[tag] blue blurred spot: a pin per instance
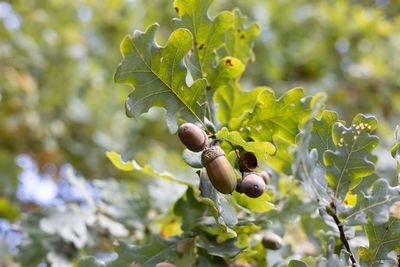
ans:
(382, 3)
(342, 45)
(5, 9)
(85, 13)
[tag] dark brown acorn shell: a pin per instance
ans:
(247, 162)
(253, 185)
(194, 138)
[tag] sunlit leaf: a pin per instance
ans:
(273, 119)
(147, 169)
(374, 207)
(158, 76)
(262, 150)
(348, 163)
(259, 204)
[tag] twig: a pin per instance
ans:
(332, 212)
(398, 259)
(233, 147)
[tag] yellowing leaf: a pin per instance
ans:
(261, 149)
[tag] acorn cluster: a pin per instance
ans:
(219, 170)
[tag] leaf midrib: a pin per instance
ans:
(168, 86)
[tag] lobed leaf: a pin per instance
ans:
(224, 215)
(261, 150)
(213, 247)
(383, 239)
(158, 76)
(321, 133)
(277, 121)
(259, 204)
(208, 34)
(190, 209)
(158, 250)
(233, 101)
(147, 169)
(348, 163)
(307, 165)
(374, 207)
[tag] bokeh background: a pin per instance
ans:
(60, 108)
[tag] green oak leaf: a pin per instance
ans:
(383, 239)
(190, 209)
(239, 39)
(395, 151)
(90, 261)
(271, 116)
(193, 159)
(261, 150)
(222, 45)
(207, 260)
(224, 249)
(333, 258)
(321, 133)
(277, 121)
(208, 34)
(147, 169)
(374, 207)
(158, 250)
(233, 101)
(297, 263)
(259, 204)
(158, 76)
(306, 165)
(348, 163)
(224, 215)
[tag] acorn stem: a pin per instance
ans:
(233, 147)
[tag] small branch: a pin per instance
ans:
(332, 212)
(233, 147)
(398, 259)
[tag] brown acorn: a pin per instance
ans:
(272, 241)
(194, 138)
(239, 185)
(247, 162)
(253, 185)
(219, 170)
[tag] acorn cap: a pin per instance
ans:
(247, 162)
(210, 154)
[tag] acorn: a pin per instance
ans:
(239, 185)
(272, 241)
(253, 185)
(265, 176)
(219, 170)
(194, 138)
(247, 162)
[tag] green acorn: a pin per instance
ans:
(219, 170)
(272, 241)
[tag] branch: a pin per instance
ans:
(398, 259)
(332, 212)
